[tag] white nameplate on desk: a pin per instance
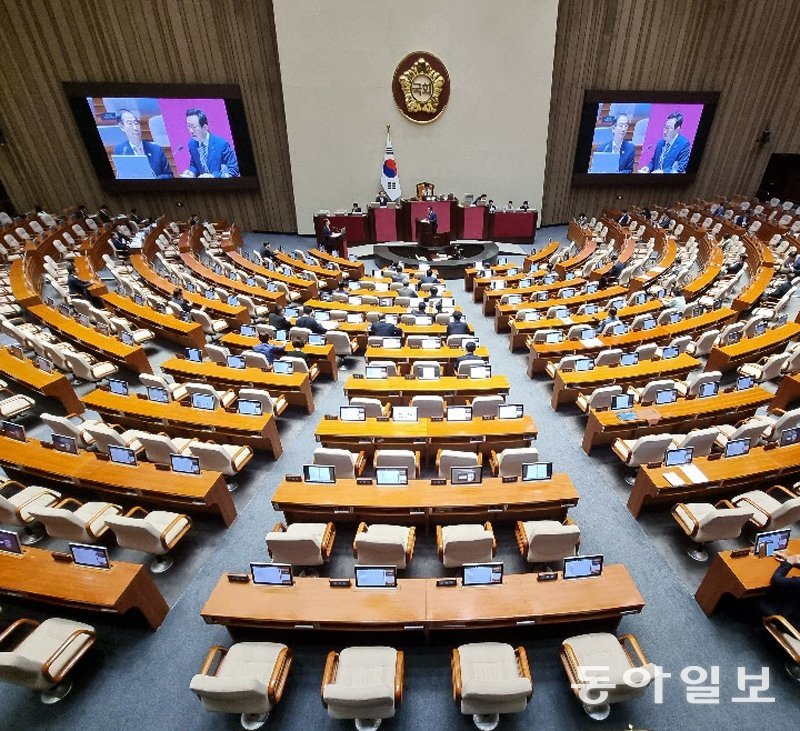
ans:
(592, 343)
(694, 474)
(674, 479)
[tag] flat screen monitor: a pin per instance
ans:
(649, 324)
(737, 447)
(678, 457)
(354, 300)
(427, 373)
(629, 359)
(122, 455)
(211, 294)
(588, 333)
(590, 309)
(549, 279)
(195, 355)
(734, 337)
(9, 542)
(185, 464)
(44, 364)
(249, 407)
(391, 475)
(623, 401)
(372, 372)
(502, 261)
(315, 339)
(466, 475)
(271, 574)
(125, 337)
(666, 396)
(581, 567)
(282, 367)
(669, 352)
(584, 364)
(204, 401)
(675, 318)
(355, 317)
(14, 431)
(513, 299)
(405, 413)
(392, 343)
(248, 331)
(158, 394)
(375, 577)
(480, 371)
(447, 302)
(65, 443)
(459, 413)
(320, 474)
(235, 361)
(760, 329)
(83, 320)
(385, 302)
(281, 335)
(554, 337)
(591, 287)
(525, 283)
(532, 471)
(482, 574)
(15, 351)
(708, 389)
(251, 282)
(744, 382)
(531, 316)
(64, 309)
(233, 300)
(291, 312)
(770, 541)
(567, 292)
(394, 319)
(619, 329)
(510, 411)
(790, 436)
(352, 413)
(120, 388)
(93, 557)
(430, 343)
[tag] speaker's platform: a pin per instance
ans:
(457, 257)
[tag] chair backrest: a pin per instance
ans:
(550, 540)
(451, 458)
(257, 394)
(649, 391)
(298, 364)
(62, 425)
(608, 357)
(104, 436)
(467, 544)
(751, 429)
(62, 523)
(254, 360)
(601, 397)
(696, 382)
(486, 405)
(373, 408)
(786, 514)
(418, 366)
(701, 440)
(158, 447)
(787, 420)
(772, 368)
(510, 461)
(295, 548)
(428, 406)
(193, 387)
(646, 351)
(378, 548)
(649, 449)
(340, 341)
(389, 365)
(722, 524)
(213, 458)
(137, 534)
(343, 461)
(705, 342)
(217, 354)
(397, 458)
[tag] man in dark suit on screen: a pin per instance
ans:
(135, 145)
(673, 149)
(619, 144)
(210, 156)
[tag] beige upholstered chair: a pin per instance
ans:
(509, 462)
(543, 541)
(301, 544)
(373, 408)
(86, 523)
(364, 684)
(156, 533)
(769, 512)
(139, 334)
(787, 420)
(389, 365)
(447, 458)
(176, 391)
(269, 405)
(751, 429)
(600, 398)
(767, 369)
(225, 398)
(159, 447)
(649, 449)
(398, 458)
(381, 544)
(788, 638)
(417, 367)
(43, 659)
(647, 394)
(346, 464)
(105, 435)
(66, 427)
(14, 405)
(209, 326)
(16, 502)
(465, 543)
(217, 354)
(700, 440)
(486, 406)
(693, 384)
(343, 346)
(490, 678)
(85, 370)
(601, 670)
(248, 679)
(428, 406)
(229, 459)
(704, 522)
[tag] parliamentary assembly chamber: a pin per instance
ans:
(423, 365)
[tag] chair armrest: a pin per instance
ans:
(43, 491)
(781, 489)
(280, 673)
(724, 504)
(362, 528)
(386, 409)
(438, 456)
(180, 535)
(216, 650)
(279, 527)
(50, 660)
(68, 501)
(329, 674)
(412, 541)
(455, 671)
(15, 626)
(104, 509)
(18, 486)
(439, 542)
(689, 530)
(136, 509)
(522, 538)
(488, 526)
(493, 462)
(634, 645)
(523, 666)
(399, 674)
(360, 463)
(328, 538)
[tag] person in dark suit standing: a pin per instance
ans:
(433, 219)
(457, 326)
(210, 156)
(672, 151)
(618, 144)
(135, 145)
(382, 199)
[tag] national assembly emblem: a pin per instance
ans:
(421, 87)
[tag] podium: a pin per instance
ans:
(424, 233)
(338, 243)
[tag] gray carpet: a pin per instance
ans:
(138, 679)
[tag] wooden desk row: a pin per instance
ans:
(747, 350)
(54, 385)
(354, 269)
(788, 393)
(322, 355)
(398, 390)
(406, 356)
(491, 297)
(419, 605)
(147, 482)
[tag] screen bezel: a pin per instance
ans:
(381, 470)
(668, 452)
(358, 569)
(102, 550)
(574, 559)
(173, 458)
(478, 474)
(263, 564)
(306, 472)
(744, 440)
(128, 450)
(759, 537)
(362, 412)
(549, 475)
(18, 541)
(62, 438)
(493, 564)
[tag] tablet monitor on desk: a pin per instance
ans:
(323, 316)
(122, 455)
(248, 331)
(525, 283)
(319, 474)
(554, 337)
(120, 388)
(480, 371)
(315, 339)
(510, 411)
(204, 401)
(372, 372)
(513, 299)
(567, 293)
(427, 373)
(482, 574)
(65, 443)
(590, 309)
(591, 287)
(391, 475)
(375, 577)
(16, 351)
(282, 367)
(533, 471)
(734, 337)
(195, 355)
(666, 396)
(211, 294)
(459, 413)
(281, 335)
(251, 282)
(394, 319)
(466, 475)
(248, 407)
(44, 364)
(354, 318)
(619, 328)
(622, 401)
(584, 364)
(385, 302)
(770, 541)
(392, 343)
(549, 279)
(678, 457)
(352, 413)
(271, 574)
(744, 382)
(9, 542)
(430, 343)
(542, 296)
(233, 300)
(675, 318)
(649, 324)
(354, 299)
(405, 413)
(790, 436)
(235, 361)
(291, 312)
(737, 447)
(158, 394)
(629, 359)
(14, 431)
(588, 333)
(561, 312)
(579, 567)
(93, 557)
(185, 464)
(137, 298)
(531, 316)
(760, 329)
(447, 302)
(83, 320)
(708, 389)
(126, 338)
(669, 352)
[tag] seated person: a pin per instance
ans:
(624, 219)
(422, 309)
(457, 327)
(676, 299)
(269, 350)
(612, 275)
(509, 206)
(297, 350)
(120, 245)
(524, 206)
(278, 320)
(75, 284)
(396, 273)
(492, 207)
(356, 208)
(792, 265)
(611, 317)
(428, 278)
(267, 251)
(406, 290)
(788, 587)
(468, 356)
(736, 267)
(307, 320)
(381, 328)
(776, 291)
(178, 299)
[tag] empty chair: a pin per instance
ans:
(647, 394)
(649, 449)
(301, 544)
(138, 334)
(751, 429)
(465, 543)
(600, 398)
(253, 359)
(16, 503)
(389, 365)
(544, 541)
(346, 464)
(229, 459)
(646, 351)
(608, 357)
(247, 679)
(217, 354)
(14, 405)
(767, 369)
(159, 447)
(681, 343)
(693, 384)
(486, 406)
(448, 458)
(398, 458)
(343, 346)
(509, 462)
(83, 369)
(788, 638)
(777, 507)
(700, 440)
(428, 406)
(156, 533)
(490, 678)
(209, 326)
(226, 398)
(44, 657)
(787, 420)
(64, 426)
(418, 366)
(254, 310)
(564, 365)
(176, 391)
(363, 684)
(86, 523)
(373, 408)
(770, 313)
(105, 435)
(704, 523)
(381, 544)
(269, 405)
(299, 333)
(600, 657)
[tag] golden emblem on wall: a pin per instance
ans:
(421, 87)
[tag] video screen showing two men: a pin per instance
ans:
(644, 138)
(165, 138)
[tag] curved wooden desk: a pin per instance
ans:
(491, 297)
(787, 394)
(405, 356)
(747, 350)
(354, 268)
(399, 390)
(122, 588)
(55, 385)
(323, 355)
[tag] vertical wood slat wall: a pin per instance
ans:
(745, 49)
(45, 42)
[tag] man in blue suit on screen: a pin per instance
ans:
(210, 156)
(672, 151)
(135, 145)
(619, 144)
